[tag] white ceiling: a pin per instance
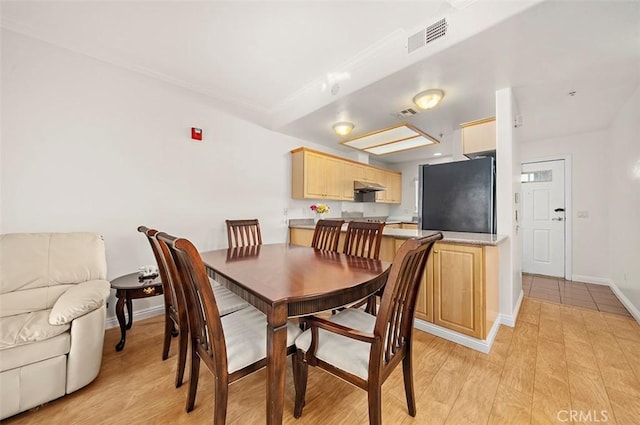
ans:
(269, 61)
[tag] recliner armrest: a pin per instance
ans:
(79, 300)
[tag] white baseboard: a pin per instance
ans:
(591, 279)
(476, 344)
(510, 319)
(484, 346)
(112, 322)
(625, 301)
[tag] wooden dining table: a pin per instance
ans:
(286, 281)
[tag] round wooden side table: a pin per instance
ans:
(130, 287)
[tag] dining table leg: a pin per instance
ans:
(276, 361)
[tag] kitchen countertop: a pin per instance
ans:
(452, 237)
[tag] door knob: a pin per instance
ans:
(557, 219)
(559, 210)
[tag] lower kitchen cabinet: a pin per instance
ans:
(465, 287)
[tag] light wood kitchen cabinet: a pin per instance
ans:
(392, 181)
(394, 188)
(465, 287)
(371, 174)
(380, 176)
(316, 175)
(349, 174)
(478, 137)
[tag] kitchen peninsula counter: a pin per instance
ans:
(482, 239)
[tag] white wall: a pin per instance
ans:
(591, 184)
(86, 146)
(507, 176)
(623, 199)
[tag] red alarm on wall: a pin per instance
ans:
(196, 133)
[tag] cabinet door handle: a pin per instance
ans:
(435, 251)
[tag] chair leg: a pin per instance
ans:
(193, 378)
(375, 404)
(372, 305)
(407, 371)
(221, 399)
(300, 374)
(182, 355)
(168, 326)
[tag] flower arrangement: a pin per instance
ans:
(320, 208)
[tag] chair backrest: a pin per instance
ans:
(363, 239)
(326, 235)
(167, 278)
(243, 233)
(204, 318)
(394, 322)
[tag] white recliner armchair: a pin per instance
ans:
(53, 291)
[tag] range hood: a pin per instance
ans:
(366, 191)
(365, 187)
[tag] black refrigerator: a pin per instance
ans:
(458, 196)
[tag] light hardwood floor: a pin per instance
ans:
(557, 359)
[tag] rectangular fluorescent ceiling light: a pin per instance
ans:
(392, 139)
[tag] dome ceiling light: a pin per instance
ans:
(343, 128)
(428, 99)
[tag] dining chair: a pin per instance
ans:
(175, 315)
(363, 240)
(175, 312)
(230, 346)
(326, 235)
(243, 233)
(364, 349)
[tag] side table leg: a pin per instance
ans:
(120, 315)
(129, 313)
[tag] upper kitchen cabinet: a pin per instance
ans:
(394, 187)
(479, 137)
(393, 182)
(316, 175)
(351, 172)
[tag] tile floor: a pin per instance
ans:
(578, 294)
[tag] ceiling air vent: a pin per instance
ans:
(427, 35)
(406, 113)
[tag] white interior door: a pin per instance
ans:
(543, 218)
